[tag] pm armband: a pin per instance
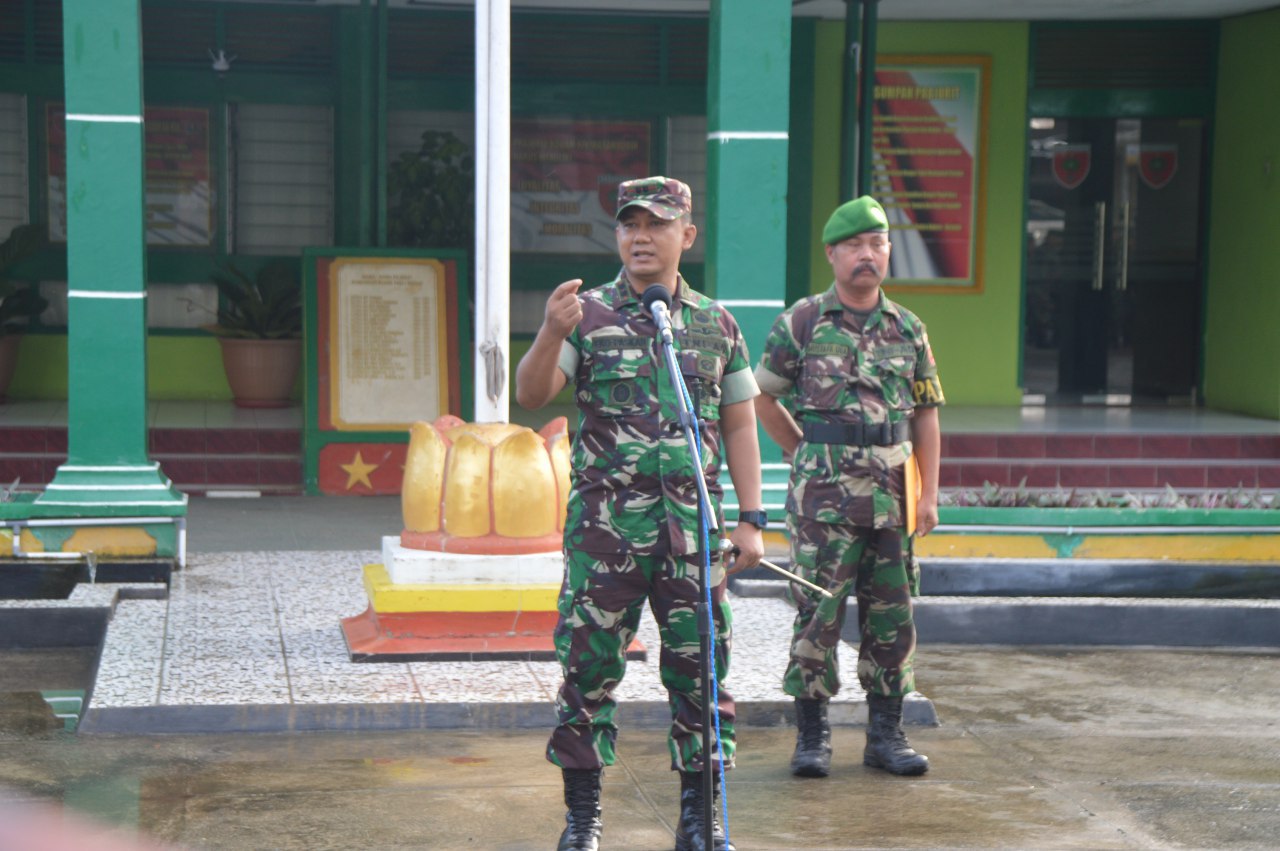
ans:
(927, 391)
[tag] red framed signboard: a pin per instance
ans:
(381, 353)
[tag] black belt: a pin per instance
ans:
(858, 434)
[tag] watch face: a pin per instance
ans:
(759, 519)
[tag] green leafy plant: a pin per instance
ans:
(1056, 498)
(431, 194)
(18, 304)
(267, 306)
(9, 492)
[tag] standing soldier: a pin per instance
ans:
(632, 530)
(861, 379)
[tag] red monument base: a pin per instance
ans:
(456, 637)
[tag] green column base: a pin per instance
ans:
(126, 490)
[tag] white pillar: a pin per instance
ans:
(493, 210)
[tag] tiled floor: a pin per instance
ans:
(955, 419)
(160, 414)
(251, 640)
(249, 637)
(1100, 420)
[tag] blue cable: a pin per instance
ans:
(706, 567)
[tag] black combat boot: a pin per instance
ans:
(887, 746)
(582, 797)
(813, 739)
(689, 833)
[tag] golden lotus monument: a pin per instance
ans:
(485, 488)
(476, 572)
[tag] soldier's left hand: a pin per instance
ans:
(926, 516)
(748, 548)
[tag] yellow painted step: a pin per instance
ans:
(390, 598)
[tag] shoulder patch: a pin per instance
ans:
(704, 317)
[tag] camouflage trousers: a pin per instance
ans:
(600, 605)
(872, 564)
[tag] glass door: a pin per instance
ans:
(1113, 261)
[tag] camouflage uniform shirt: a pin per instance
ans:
(832, 372)
(633, 490)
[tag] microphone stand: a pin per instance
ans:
(707, 520)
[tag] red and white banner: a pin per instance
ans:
(179, 174)
(564, 181)
(928, 145)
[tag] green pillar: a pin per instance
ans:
(355, 214)
(850, 67)
(867, 93)
(856, 118)
(748, 105)
(380, 128)
(107, 472)
(858, 101)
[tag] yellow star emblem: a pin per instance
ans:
(358, 472)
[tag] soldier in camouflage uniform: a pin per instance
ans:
(632, 530)
(860, 378)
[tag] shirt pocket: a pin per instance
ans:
(620, 384)
(702, 372)
(894, 374)
(823, 383)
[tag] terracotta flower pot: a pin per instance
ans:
(261, 372)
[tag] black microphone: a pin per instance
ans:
(657, 300)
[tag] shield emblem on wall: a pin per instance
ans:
(1071, 165)
(1157, 164)
(607, 191)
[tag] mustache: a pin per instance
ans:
(869, 268)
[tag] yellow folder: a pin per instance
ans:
(911, 492)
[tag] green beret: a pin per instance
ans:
(854, 217)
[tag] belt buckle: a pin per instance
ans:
(886, 433)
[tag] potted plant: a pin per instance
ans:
(259, 329)
(18, 304)
(431, 195)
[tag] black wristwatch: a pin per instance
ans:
(759, 519)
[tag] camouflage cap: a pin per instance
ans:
(854, 217)
(665, 197)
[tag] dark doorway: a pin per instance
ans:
(1113, 260)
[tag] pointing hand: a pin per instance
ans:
(564, 309)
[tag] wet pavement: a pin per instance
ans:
(1036, 747)
(1044, 748)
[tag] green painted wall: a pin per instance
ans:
(975, 336)
(827, 71)
(178, 367)
(42, 368)
(186, 367)
(1242, 349)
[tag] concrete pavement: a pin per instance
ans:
(1036, 747)
(1059, 748)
